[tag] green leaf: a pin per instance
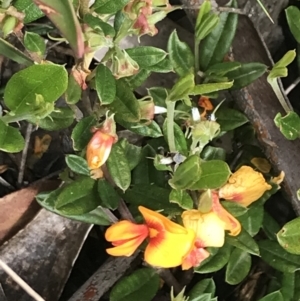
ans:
(147, 130)
(286, 60)
(22, 88)
(105, 84)
(63, 16)
(246, 74)
(230, 119)
(223, 68)
(288, 286)
(213, 153)
(270, 226)
(118, 167)
(210, 21)
(234, 208)
(182, 198)
(180, 55)
(78, 165)
(108, 6)
(146, 56)
(209, 88)
(78, 197)
(108, 196)
(138, 79)
(132, 152)
(125, 104)
(73, 92)
(180, 141)
(288, 125)
(82, 134)
(152, 197)
(11, 140)
(217, 44)
(159, 95)
(99, 26)
(289, 236)
(96, 216)
(34, 43)
(275, 296)
(61, 118)
(11, 52)
(215, 174)
(216, 261)
(244, 242)
(238, 267)
(164, 66)
(182, 88)
(273, 254)
(252, 220)
(142, 284)
(293, 18)
(187, 173)
(31, 11)
(205, 286)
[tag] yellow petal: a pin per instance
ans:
(168, 250)
(245, 186)
(209, 228)
(98, 149)
(168, 243)
(126, 248)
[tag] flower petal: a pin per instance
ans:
(194, 258)
(171, 250)
(245, 186)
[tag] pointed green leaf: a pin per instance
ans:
(105, 84)
(234, 208)
(288, 125)
(277, 257)
(270, 226)
(31, 11)
(293, 18)
(205, 286)
(78, 165)
(229, 119)
(34, 43)
(182, 198)
(180, 54)
(209, 88)
(217, 44)
(182, 88)
(238, 267)
(275, 296)
(215, 174)
(109, 6)
(73, 92)
(108, 196)
(142, 284)
(118, 167)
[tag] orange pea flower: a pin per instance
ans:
(210, 230)
(168, 242)
(245, 186)
(99, 147)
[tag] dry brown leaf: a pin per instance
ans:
(19, 207)
(41, 145)
(3, 168)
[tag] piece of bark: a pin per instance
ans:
(104, 278)
(260, 104)
(19, 207)
(43, 255)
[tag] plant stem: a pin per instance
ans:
(15, 118)
(170, 125)
(196, 53)
(277, 91)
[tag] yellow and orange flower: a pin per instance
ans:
(98, 149)
(245, 186)
(210, 229)
(168, 242)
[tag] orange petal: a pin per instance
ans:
(194, 258)
(126, 237)
(231, 223)
(98, 149)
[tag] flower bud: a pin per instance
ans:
(245, 186)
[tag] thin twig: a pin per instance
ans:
(238, 11)
(124, 211)
(24, 153)
(6, 184)
(110, 215)
(292, 86)
(169, 279)
(20, 282)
